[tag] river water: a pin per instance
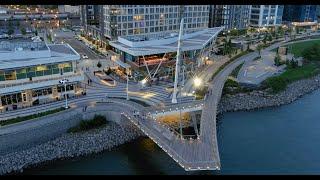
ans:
(281, 140)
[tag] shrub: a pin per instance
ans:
(201, 92)
(84, 125)
(277, 60)
(99, 64)
(109, 71)
(277, 83)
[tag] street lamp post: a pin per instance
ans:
(127, 72)
(64, 82)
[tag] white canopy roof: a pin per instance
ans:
(193, 41)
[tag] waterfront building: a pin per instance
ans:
(145, 52)
(30, 73)
(229, 16)
(266, 15)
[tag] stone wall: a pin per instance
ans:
(54, 126)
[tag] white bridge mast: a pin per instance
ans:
(176, 76)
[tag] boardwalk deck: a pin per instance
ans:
(191, 154)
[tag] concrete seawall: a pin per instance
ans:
(49, 141)
(49, 127)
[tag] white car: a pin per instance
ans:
(84, 56)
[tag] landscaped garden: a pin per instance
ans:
(310, 51)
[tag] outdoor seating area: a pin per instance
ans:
(150, 60)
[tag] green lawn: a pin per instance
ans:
(279, 83)
(297, 48)
(29, 117)
(306, 71)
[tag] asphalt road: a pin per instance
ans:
(77, 45)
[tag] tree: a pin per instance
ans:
(259, 48)
(99, 65)
(10, 31)
(36, 32)
(277, 60)
(265, 39)
(10, 24)
(269, 38)
(23, 31)
(49, 37)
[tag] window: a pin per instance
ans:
(141, 11)
(2, 78)
(67, 67)
(11, 99)
(69, 87)
(10, 75)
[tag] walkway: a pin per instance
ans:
(191, 154)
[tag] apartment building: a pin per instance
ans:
(123, 20)
(300, 13)
(30, 73)
(229, 16)
(266, 15)
(92, 19)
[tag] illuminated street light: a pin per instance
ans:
(144, 81)
(64, 82)
(197, 82)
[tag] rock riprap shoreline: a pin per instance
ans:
(70, 145)
(97, 140)
(261, 99)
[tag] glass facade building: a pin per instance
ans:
(300, 13)
(123, 20)
(35, 71)
(266, 15)
(229, 16)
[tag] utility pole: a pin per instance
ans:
(176, 77)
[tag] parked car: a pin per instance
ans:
(85, 56)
